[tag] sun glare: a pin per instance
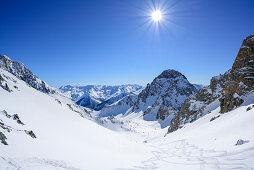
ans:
(157, 15)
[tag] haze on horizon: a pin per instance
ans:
(117, 42)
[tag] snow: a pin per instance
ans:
(61, 135)
(65, 140)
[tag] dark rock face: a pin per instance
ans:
(20, 71)
(225, 91)
(16, 117)
(3, 139)
(241, 78)
(30, 133)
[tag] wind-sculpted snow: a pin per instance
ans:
(34, 163)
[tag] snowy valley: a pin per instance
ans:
(169, 124)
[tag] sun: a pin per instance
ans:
(157, 15)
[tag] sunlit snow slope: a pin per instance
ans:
(65, 140)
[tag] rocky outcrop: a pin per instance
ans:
(226, 91)
(3, 139)
(7, 126)
(201, 103)
(240, 81)
(20, 71)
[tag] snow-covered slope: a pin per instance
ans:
(97, 96)
(64, 139)
(226, 142)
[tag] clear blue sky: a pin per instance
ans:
(113, 42)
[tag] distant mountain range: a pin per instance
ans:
(97, 96)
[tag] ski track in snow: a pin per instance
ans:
(36, 163)
(182, 153)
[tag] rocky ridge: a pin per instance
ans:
(226, 91)
(19, 70)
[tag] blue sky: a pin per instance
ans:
(115, 41)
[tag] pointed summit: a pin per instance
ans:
(171, 74)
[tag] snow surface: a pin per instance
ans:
(65, 140)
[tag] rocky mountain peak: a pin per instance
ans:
(170, 74)
(165, 95)
(245, 56)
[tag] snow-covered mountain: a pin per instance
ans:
(165, 94)
(159, 101)
(97, 96)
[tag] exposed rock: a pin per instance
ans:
(30, 133)
(213, 118)
(241, 142)
(16, 117)
(249, 108)
(201, 103)
(241, 78)
(6, 114)
(1, 78)
(20, 71)
(3, 139)
(58, 101)
(69, 105)
(6, 87)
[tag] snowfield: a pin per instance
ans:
(66, 140)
